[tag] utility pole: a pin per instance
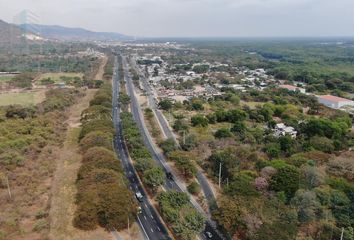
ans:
(220, 175)
(342, 234)
(129, 229)
(8, 186)
(184, 137)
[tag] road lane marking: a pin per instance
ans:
(145, 217)
(141, 224)
(151, 230)
(159, 229)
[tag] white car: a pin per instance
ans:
(139, 196)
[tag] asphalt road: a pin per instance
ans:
(147, 218)
(170, 184)
(206, 188)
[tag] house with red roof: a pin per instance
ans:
(334, 102)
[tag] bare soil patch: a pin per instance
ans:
(100, 71)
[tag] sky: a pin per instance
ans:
(194, 18)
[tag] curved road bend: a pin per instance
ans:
(148, 219)
(170, 184)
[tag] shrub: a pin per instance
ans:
(194, 188)
(96, 139)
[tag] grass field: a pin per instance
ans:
(58, 77)
(23, 98)
(5, 78)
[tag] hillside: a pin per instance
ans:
(77, 34)
(9, 32)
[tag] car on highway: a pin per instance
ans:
(139, 196)
(169, 175)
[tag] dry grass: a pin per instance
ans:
(100, 71)
(75, 111)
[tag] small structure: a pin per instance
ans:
(334, 102)
(281, 130)
(293, 88)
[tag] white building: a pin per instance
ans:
(334, 102)
(293, 88)
(281, 130)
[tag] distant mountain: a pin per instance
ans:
(75, 34)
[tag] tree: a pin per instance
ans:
(18, 111)
(183, 163)
(185, 220)
(96, 112)
(180, 125)
(190, 142)
(322, 144)
(199, 120)
(308, 206)
(154, 177)
(165, 104)
(144, 164)
(286, 179)
(286, 144)
(273, 150)
(197, 105)
(229, 214)
(223, 133)
(96, 139)
(124, 99)
(313, 176)
(168, 145)
(194, 188)
(236, 115)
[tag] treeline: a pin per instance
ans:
(103, 197)
(153, 176)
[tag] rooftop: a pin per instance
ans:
(333, 98)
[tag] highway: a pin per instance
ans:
(148, 218)
(167, 131)
(174, 184)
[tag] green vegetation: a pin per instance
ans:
(152, 175)
(185, 220)
(272, 186)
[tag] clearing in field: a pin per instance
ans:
(22, 98)
(53, 78)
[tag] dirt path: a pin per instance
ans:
(75, 111)
(100, 71)
(63, 185)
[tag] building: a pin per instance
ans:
(281, 130)
(334, 102)
(293, 88)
